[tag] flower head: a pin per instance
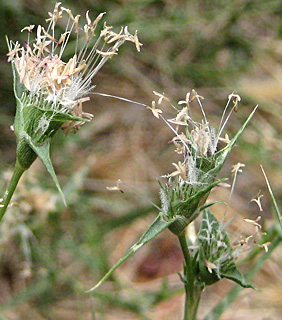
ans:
(50, 82)
(185, 193)
(51, 87)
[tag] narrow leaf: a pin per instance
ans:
(209, 205)
(159, 225)
(222, 154)
(63, 117)
(278, 213)
(43, 152)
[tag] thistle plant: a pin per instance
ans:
(183, 196)
(50, 90)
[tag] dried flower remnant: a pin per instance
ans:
(180, 170)
(264, 246)
(236, 99)
(252, 239)
(225, 139)
(177, 141)
(181, 118)
(50, 91)
(211, 266)
(256, 224)
(161, 97)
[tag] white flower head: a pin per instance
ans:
(48, 78)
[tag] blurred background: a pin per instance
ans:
(50, 255)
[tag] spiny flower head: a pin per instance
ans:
(50, 88)
(216, 257)
(50, 82)
(216, 252)
(188, 187)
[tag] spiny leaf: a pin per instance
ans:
(221, 155)
(187, 208)
(43, 152)
(209, 205)
(158, 225)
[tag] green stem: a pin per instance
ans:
(192, 290)
(18, 171)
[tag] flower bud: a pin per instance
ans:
(25, 155)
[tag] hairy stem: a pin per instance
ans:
(18, 171)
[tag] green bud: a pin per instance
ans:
(25, 155)
(185, 209)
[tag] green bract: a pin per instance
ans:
(216, 258)
(34, 125)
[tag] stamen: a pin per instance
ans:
(222, 126)
(154, 110)
(235, 169)
(257, 201)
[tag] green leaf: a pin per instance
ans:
(63, 117)
(235, 275)
(278, 213)
(158, 225)
(43, 152)
(221, 155)
(205, 206)
(216, 254)
(188, 207)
